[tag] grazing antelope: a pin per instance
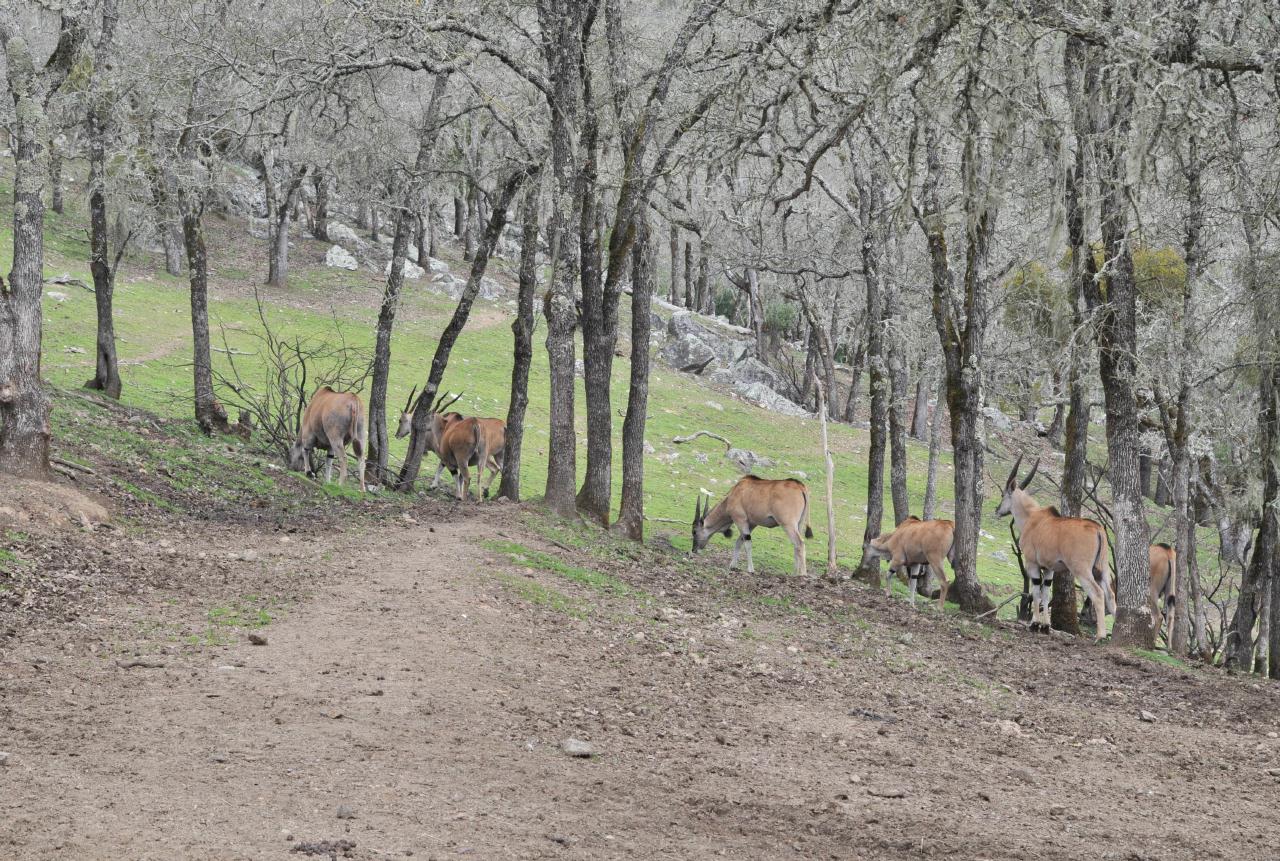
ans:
(753, 502)
(913, 545)
(331, 421)
(1053, 544)
(1164, 585)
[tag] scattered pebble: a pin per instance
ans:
(888, 792)
(4, 759)
(258, 639)
(1146, 716)
(220, 757)
(346, 811)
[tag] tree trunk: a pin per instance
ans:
(898, 431)
(459, 216)
(210, 415)
(631, 510)
(1117, 351)
(55, 177)
(440, 361)
(24, 407)
(405, 217)
(870, 213)
(171, 239)
(320, 222)
(565, 31)
(421, 243)
(935, 449)
(855, 381)
(688, 276)
(471, 219)
(829, 473)
(375, 223)
(674, 242)
(920, 410)
(106, 376)
(705, 301)
(522, 352)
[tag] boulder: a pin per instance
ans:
(412, 271)
(338, 257)
(724, 339)
(998, 420)
(343, 235)
(689, 353)
(766, 397)
(437, 266)
(490, 289)
(745, 372)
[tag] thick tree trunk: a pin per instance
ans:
(706, 302)
(856, 367)
(522, 334)
(471, 219)
(1117, 351)
(171, 239)
(24, 407)
(688, 276)
(566, 32)
(631, 510)
(440, 361)
(459, 216)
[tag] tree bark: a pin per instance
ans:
(674, 287)
(24, 407)
(871, 215)
(522, 351)
(320, 222)
(210, 414)
(55, 177)
(688, 276)
(935, 449)
(106, 376)
(920, 410)
(631, 509)
(898, 431)
(856, 367)
(440, 360)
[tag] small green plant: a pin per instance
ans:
(596, 580)
(1161, 658)
(544, 596)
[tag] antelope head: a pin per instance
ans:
(1011, 486)
(406, 416)
(700, 534)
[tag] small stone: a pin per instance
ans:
(258, 639)
(1057, 810)
(1146, 716)
(888, 792)
(4, 758)
(1273, 735)
(220, 757)
(577, 747)
(1024, 775)
(346, 811)
(905, 639)
(1009, 728)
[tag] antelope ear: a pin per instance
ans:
(1030, 475)
(1012, 480)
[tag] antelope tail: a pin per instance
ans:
(1169, 594)
(808, 532)
(362, 437)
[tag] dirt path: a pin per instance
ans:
(426, 690)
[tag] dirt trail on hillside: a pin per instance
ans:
(415, 704)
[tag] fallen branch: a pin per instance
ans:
(682, 439)
(72, 465)
(664, 520)
(62, 470)
(1002, 604)
(139, 662)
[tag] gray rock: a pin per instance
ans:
(687, 353)
(4, 758)
(747, 460)
(346, 811)
(998, 420)
(1146, 716)
(771, 400)
(577, 747)
(220, 757)
(412, 271)
(343, 235)
(437, 267)
(258, 639)
(490, 289)
(338, 257)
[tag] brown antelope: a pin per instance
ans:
(753, 502)
(1164, 585)
(331, 421)
(406, 425)
(913, 545)
(465, 442)
(1052, 544)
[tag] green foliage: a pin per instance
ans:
(726, 302)
(1160, 275)
(597, 581)
(1036, 306)
(780, 317)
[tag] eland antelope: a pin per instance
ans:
(331, 421)
(1052, 544)
(913, 545)
(753, 502)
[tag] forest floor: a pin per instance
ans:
(425, 665)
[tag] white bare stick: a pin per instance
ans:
(679, 439)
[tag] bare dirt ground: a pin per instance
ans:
(418, 682)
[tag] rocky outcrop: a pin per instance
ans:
(338, 257)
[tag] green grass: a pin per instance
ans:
(544, 596)
(1161, 658)
(605, 584)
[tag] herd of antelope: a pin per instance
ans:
(333, 421)
(1049, 543)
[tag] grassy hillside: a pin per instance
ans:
(153, 325)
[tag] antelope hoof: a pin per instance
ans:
(1035, 627)
(486, 493)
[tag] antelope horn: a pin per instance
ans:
(409, 403)
(697, 508)
(1013, 473)
(1030, 475)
